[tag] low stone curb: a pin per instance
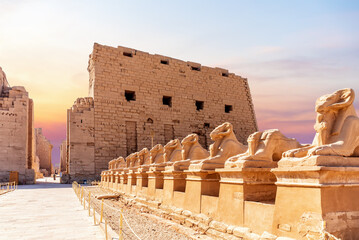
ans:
(200, 222)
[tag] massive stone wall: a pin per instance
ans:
(142, 99)
(81, 140)
(44, 152)
(16, 134)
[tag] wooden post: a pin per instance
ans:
(106, 229)
(101, 210)
(94, 215)
(89, 203)
(121, 223)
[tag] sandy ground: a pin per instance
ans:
(146, 226)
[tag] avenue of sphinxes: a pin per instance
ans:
(179, 120)
(272, 187)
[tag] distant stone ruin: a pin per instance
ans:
(137, 100)
(17, 145)
(63, 157)
(44, 153)
(23, 151)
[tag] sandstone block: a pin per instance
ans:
(219, 226)
(268, 236)
(241, 231)
(202, 218)
(187, 213)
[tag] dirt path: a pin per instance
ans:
(146, 226)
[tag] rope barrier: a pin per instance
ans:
(130, 228)
(81, 193)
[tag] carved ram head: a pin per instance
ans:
(333, 102)
(221, 131)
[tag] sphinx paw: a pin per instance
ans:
(289, 153)
(321, 150)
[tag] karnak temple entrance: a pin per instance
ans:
(162, 159)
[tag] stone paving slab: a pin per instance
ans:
(45, 211)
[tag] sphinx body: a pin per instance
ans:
(337, 127)
(172, 152)
(117, 163)
(114, 166)
(264, 148)
(120, 163)
(130, 161)
(111, 164)
(167, 155)
(135, 161)
(225, 146)
(144, 157)
(157, 157)
(143, 160)
(191, 151)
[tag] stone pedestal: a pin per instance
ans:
(112, 179)
(102, 178)
(107, 180)
(131, 182)
(141, 182)
(123, 182)
(116, 185)
(199, 183)
(317, 193)
(173, 181)
(155, 185)
(241, 185)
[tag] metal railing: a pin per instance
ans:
(89, 203)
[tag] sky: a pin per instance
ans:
(292, 52)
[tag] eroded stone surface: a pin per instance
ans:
(44, 152)
(17, 145)
(263, 148)
(141, 99)
(81, 140)
(225, 146)
(337, 127)
(191, 151)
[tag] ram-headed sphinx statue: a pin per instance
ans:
(225, 146)
(156, 156)
(265, 148)
(191, 151)
(337, 127)
(172, 152)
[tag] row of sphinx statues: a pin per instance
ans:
(337, 134)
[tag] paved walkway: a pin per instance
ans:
(45, 211)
